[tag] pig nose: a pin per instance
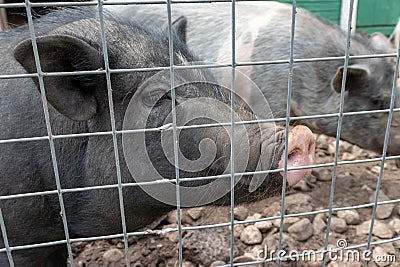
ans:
(301, 152)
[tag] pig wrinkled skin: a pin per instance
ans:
(71, 41)
(263, 32)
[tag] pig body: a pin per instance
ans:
(71, 41)
(263, 31)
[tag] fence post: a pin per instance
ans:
(3, 18)
(344, 16)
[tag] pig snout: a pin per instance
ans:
(301, 152)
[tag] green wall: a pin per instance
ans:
(329, 9)
(372, 15)
(378, 15)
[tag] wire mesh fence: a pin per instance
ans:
(116, 133)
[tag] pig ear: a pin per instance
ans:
(72, 96)
(356, 75)
(380, 42)
(179, 28)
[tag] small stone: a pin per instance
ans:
(271, 209)
(310, 181)
(322, 140)
(255, 251)
(241, 213)
(356, 151)
(172, 217)
(343, 175)
(376, 169)
(207, 246)
(380, 229)
(173, 236)
(395, 225)
(298, 203)
(255, 216)
(243, 259)
(263, 226)
(378, 254)
(398, 209)
(287, 222)
(388, 247)
(237, 230)
(322, 174)
(217, 263)
(188, 264)
(320, 154)
(323, 215)
(319, 225)
(331, 148)
(382, 211)
(120, 245)
(396, 244)
(195, 213)
(348, 156)
(302, 230)
(365, 187)
(271, 242)
(345, 146)
(251, 235)
(350, 216)
(371, 154)
(386, 166)
(112, 256)
(338, 225)
(302, 186)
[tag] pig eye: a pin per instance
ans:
(378, 103)
(156, 98)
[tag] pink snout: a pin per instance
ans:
(301, 152)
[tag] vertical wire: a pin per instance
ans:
(174, 130)
(385, 143)
(7, 246)
(287, 127)
(113, 129)
(232, 170)
(48, 128)
(339, 129)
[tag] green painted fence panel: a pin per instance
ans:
(372, 15)
(329, 9)
(377, 15)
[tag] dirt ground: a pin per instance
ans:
(355, 185)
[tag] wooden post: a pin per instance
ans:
(344, 15)
(3, 18)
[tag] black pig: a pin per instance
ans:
(71, 41)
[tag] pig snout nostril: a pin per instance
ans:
(293, 154)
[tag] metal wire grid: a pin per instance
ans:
(50, 137)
